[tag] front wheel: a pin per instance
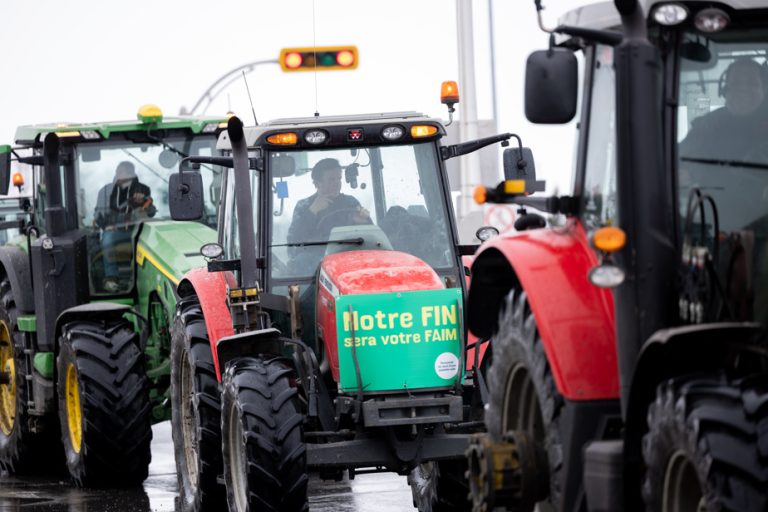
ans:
(265, 458)
(522, 394)
(104, 404)
(195, 411)
(707, 446)
(440, 486)
(21, 446)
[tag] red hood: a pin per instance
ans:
(359, 272)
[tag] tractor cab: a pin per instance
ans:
(113, 178)
(332, 185)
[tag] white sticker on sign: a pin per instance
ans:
(446, 365)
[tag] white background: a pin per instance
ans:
(89, 60)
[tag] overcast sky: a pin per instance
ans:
(89, 60)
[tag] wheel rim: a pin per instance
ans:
(237, 460)
(682, 490)
(521, 404)
(8, 388)
(188, 419)
(74, 414)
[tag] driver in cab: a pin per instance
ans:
(316, 215)
(736, 131)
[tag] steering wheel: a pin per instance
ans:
(336, 218)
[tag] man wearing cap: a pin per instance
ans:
(316, 215)
(119, 206)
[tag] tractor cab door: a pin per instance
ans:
(722, 171)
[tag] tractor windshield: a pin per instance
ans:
(722, 123)
(121, 184)
(388, 197)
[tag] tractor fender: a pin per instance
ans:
(211, 291)
(93, 311)
(575, 319)
(674, 352)
(15, 264)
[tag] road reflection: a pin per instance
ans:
(366, 493)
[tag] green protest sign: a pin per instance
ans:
(403, 340)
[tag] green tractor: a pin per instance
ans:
(88, 286)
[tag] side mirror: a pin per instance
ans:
(5, 168)
(185, 195)
(551, 86)
(519, 165)
(282, 166)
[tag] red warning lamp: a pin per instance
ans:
(293, 60)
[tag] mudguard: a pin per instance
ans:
(575, 319)
(91, 311)
(15, 263)
(679, 351)
(211, 291)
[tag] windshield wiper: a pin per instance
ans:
(347, 241)
(728, 163)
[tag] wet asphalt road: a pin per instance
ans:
(366, 493)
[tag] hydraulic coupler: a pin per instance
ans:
(512, 473)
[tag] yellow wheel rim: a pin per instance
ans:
(7, 390)
(74, 416)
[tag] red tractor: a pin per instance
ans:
(327, 333)
(630, 363)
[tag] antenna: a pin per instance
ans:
(314, 52)
(250, 99)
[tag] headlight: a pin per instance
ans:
(670, 14)
(315, 136)
(212, 251)
(485, 233)
(711, 20)
(606, 275)
(392, 132)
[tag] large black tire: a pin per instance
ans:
(264, 452)
(707, 446)
(104, 409)
(440, 486)
(195, 411)
(20, 448)
(522, 394)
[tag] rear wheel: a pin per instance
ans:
(104, 404)
(196, 411)
(707, 446)
(522, 394)
(20, 447)
(440, 486)
(264, 452)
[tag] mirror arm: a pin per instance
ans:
(463, 148)
(607, 37)
(566, 205)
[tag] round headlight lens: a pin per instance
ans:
(670, 14)
(711, 20)
(485, 233)
(212, 251)
(606, 275)
(315, 136)
(392, 132)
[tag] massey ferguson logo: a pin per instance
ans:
(355, 134)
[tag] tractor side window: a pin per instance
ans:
(722, 115)
(599, 198)
(229, 230)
